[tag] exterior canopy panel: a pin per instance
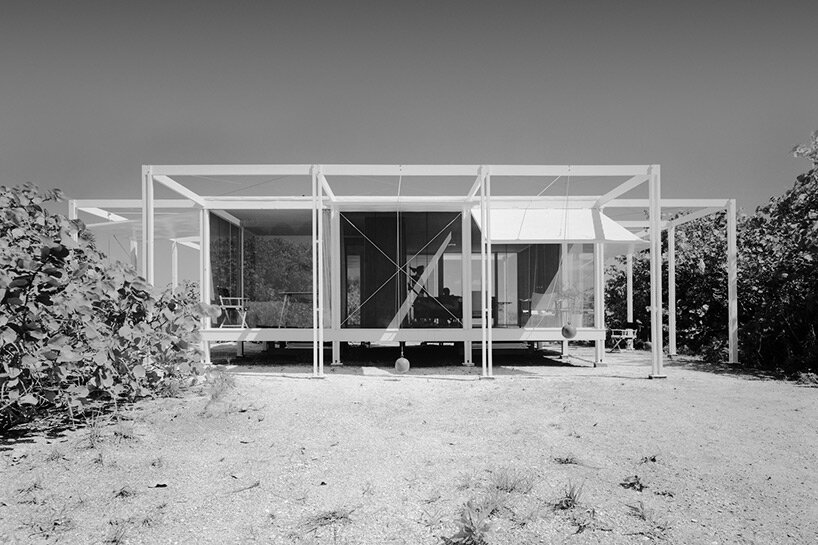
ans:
(540, 225)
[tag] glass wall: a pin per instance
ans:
(401, 270)
(277, 266)
(225, 258)
(537, 285)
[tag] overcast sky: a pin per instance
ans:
(716, 92)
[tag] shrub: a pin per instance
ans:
(75, 328)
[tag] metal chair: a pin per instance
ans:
(234, 311)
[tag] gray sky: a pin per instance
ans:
(716, 92)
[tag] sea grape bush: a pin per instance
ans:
(74, 327)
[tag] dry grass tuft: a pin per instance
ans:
(125, 492)
(513, 480)
(327, 518)
(571, 497)
(117, 532)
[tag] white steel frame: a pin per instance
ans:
(323, 198)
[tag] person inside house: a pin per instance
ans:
(414, 278)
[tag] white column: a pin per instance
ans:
(336, 289)
(629, 290)
(174, 265)
(654, 198)
(314, 263)
(489, 279)
(241, 259)
(563, 283)
(671, 289)
(147, 224)
(466, 279)
(204, 273)
(483, 313)
(732, 281)
(319, 189)
(599, 300)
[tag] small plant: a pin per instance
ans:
(158, 462)
(218, 383)
(566, 460)
(432, 519)
(466, 481)
(649, 459)
(93, 429)
(117, 532)
(525, 517)
(633, 482)
(55, 455)
(512, 480)
(474, 525)
(642, 512)
(125, 492)
(327, 518)
(571, 497)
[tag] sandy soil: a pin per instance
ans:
(366, 456)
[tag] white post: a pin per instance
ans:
(314, 273)
(241, 259)
(483, 313)
(336, 288)
(147, 224)
(204, 274)
(654, 197)
(489, 279)
(629, 290)
(319, 189)
(563, 283)
(732, 281)
(466, 279)
(599, 300)
(174, 265)
(671, 289)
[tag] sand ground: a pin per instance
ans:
(367, 456)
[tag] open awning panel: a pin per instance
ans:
(543, 225)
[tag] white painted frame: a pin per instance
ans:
(323, 198)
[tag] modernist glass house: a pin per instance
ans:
(446, 253)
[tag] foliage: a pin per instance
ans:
(777, 283)
(701, 288)
(808, 150)
(74, 327)
(778, 280)
(473, 525)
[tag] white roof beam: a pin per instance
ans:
(326, 186)
(232, 170)
(668, 203)
(173, 185)
(100, 213)
(132, 203)
(698, 214)
(621, 189)
(397, 170)
(227, 216)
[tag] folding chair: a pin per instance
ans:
(234, 311)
